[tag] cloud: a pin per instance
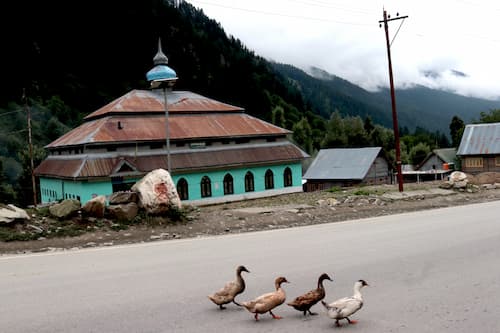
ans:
(344, 38)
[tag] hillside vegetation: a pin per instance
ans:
(79, 56)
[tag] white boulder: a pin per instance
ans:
(157, 192)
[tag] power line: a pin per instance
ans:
(323, 4)
(10, 112)
(248, 10)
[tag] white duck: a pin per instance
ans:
(230, 290)
(344, 307)
(267, 302)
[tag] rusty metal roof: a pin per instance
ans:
(116, 129)
(140, 116)
(152, 101)
(480, 139)
(88, 166)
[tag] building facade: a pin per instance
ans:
(479, 149)
(342, 167)
(218, 153)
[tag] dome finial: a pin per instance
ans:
(160, 58)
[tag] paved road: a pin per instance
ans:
(431, 271)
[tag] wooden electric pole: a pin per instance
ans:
(393, 99)
(30, 145)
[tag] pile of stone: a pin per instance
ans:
(155, 193)
(462, 181)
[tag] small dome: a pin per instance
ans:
(161, 73)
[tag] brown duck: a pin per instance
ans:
(230, 290)
(267, 302)
(306, 301)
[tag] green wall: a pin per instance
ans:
(57, 189)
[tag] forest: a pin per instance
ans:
(79, 56)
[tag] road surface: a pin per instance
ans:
(429, 271)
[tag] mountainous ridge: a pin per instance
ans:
(417, 106)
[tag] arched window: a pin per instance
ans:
(206, 187)
(249, 185)
(182, 189)
(287, 177)
(228, 184)
(269, 179)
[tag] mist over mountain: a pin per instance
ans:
(416, 105)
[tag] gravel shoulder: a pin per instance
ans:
(284, 211)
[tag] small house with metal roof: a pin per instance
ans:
(347, 167)
(479, 149)
(214, 151)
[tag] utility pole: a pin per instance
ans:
(30, 144)
(393, 98)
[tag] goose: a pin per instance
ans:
(230, 290)
(267, 302)
(306, 301)
(344, 307)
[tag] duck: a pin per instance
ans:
(268, 301)
(230, 290)
(347, 306)
(306, 301)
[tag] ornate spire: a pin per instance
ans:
(160, 58)
(161, 72)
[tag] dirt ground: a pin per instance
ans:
(284, 211)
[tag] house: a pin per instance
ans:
(479, 148)
(439, 159)
(436, 166)
(215, 152)
(347, 167)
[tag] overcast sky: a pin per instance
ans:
(343, 37)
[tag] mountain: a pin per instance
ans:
(71, 58)
(417, 106)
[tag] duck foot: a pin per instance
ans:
(351, 321)
(275, 316)
(222, 307)
(312, 313)
(236, 303)
(256, 317)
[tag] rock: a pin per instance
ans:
(446, 185)
(95, 207)
(460, 184)
(10, 213)
(65, 208)
(157, 192)
(124, 212)
(122, 197)
(457, 176)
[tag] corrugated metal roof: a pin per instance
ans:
(480, 139)
(446, 154)
(87, 166)
(342, 163)
(152, 101)
(115, 129)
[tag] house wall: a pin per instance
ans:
(487, 164)
(433, 163)
(325, 184)
(378, 173)
(57, 189)
(217, 179)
